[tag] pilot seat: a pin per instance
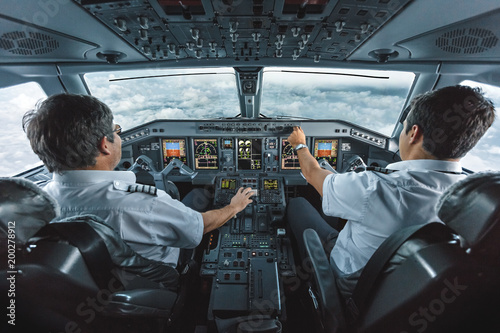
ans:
(428, 278)
(79, 275)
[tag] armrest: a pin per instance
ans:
(141, 302)
(330, 299)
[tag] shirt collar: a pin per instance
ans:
(93, 176)
(436, 165)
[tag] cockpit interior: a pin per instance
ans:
(207, 93)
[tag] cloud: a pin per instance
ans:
(494, 150)
(15, 151)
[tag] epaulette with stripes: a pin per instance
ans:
(376, 169)
(135, 188)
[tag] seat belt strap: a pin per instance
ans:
(371, 273)
(91, 246)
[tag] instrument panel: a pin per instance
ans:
(217, 148)
(249, 152)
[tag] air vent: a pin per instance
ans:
(28, 43)
(467, 41)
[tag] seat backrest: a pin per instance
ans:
(472, 208)
(24, 209)
(62, 275)
(438, 282)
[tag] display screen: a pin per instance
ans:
(289, 159)
(206, 154)
(228, 184)
(270, 184)
(326, 149)
(249, 154)
(173, 148)
(227, 143)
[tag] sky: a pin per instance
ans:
(371, 103)
(15, 151)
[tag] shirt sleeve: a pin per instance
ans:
(346, 195)
(182, 226)
(162, 221)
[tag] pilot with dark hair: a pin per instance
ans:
(75, 137)
(441, 127)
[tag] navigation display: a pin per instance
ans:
(206, 154)
(326, 149)
(173, 148)
(289, 159)
(249, 154)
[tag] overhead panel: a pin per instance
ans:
(244, 30)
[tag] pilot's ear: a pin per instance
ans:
(104, 146)
(416, 134)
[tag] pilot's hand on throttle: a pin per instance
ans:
(297, 137)
(242, 198)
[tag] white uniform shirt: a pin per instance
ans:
(377, 204)
(155, 226)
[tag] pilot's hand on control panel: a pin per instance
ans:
(242, 198)
(297, 137)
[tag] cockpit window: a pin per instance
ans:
(486, 154)
(373, 99)
(15, 150)
(136, 97)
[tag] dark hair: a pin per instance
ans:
(65, 130)
(452, 119)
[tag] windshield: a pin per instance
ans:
(136, 97)
(486, 154)
(15, 149)
(372, 99)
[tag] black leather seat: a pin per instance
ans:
(441, 278)
(66, 279)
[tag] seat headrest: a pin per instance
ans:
(471, 207)
(25, 205)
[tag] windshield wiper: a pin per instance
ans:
(293, 117)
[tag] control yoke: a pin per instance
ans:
(325, 165)
(144, 163)
(183, 168)
(355, 163)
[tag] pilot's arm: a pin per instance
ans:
(315, 175)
